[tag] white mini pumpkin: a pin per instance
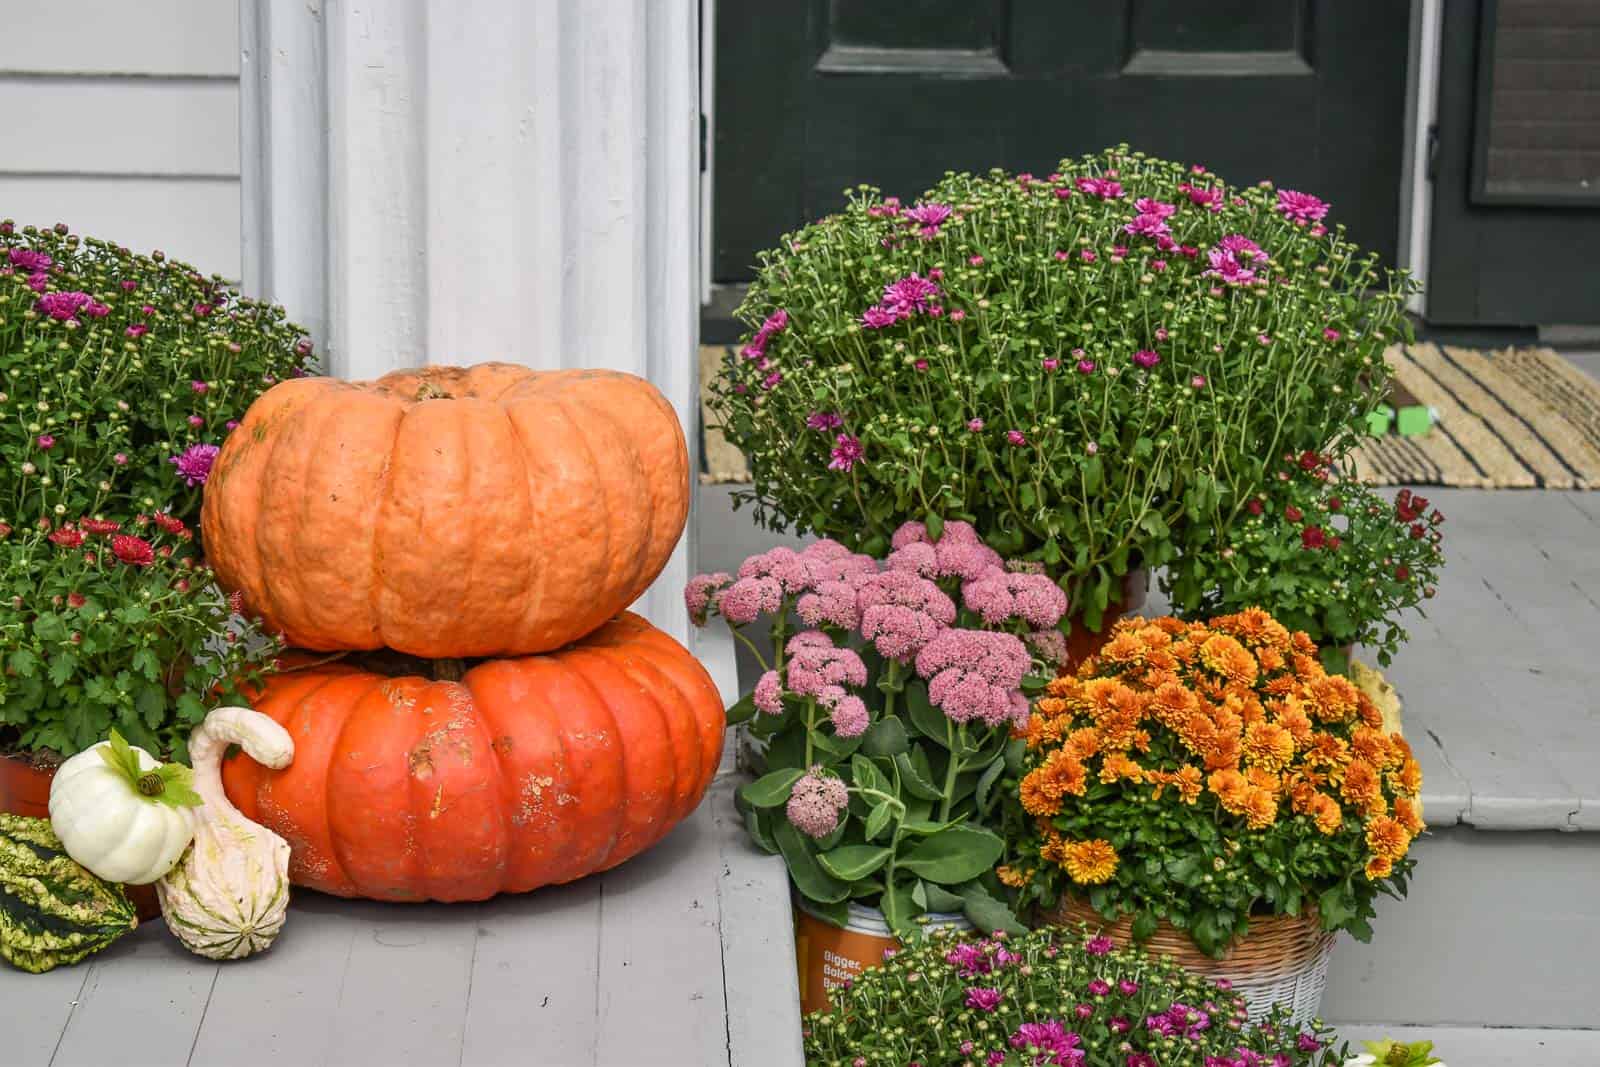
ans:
(228, 897)
(117, 812)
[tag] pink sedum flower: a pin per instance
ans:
(815, 663)
(749, 598)
(849, 716)
(698, 594)
(768, 694)
(976, 675)
(832, 603)
(999, 596)
(815, 803)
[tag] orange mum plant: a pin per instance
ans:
(1202, 773)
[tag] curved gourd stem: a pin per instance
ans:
(262, 739)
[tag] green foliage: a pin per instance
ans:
(91, 643)
(171, 784)
(1015, 1001)
(155, 358)
(1324, 555)
(980, 411)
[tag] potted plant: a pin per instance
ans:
(120, 374)
(1095, 368)
(1054, 996)
(1322, 554)
(108, 627)
(887, 712)
(1209, 788)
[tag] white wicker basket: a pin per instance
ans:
(1283, 960)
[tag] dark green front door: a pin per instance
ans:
(816, 95)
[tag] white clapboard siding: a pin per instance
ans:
(120, 125)
(122, 120)
(194, 38)
(195, 220)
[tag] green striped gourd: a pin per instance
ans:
(52, 911)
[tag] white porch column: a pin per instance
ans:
(453, 181)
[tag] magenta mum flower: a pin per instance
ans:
(1301, 207)
(1147, 205)
(824, 420)
(1210, 199)
(29, 260)
(63, 306)
(847, 452)
(1098, 946)
(983, 999)
(877, 317)
(1243, 248)
(1146, 358)
(1226, 265)
(46, 442)
(194, 463)
(910, 294)
(1147, 226)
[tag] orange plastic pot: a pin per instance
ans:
(1083, 642)
(829, 956)
(25, 790)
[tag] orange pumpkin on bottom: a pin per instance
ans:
(524, 772)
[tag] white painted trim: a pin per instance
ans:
(708, 108)
(453, 181)
(1422, 108)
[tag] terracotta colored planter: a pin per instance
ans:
(1083, 642)
(828, 956)
(25, 790)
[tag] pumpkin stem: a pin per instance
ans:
(430, 391)
(448, 670)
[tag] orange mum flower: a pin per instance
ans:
(1386, 837)
(1368, 711)
(1360, 785)
(1090, 862)
(1082, 743)
(1325, 811)
(1118, 767)
(1260, 809)
(1408, 811)
(1371, 745)
(1271, 659)
(1268, 745)
(1280, 685)
(1188, 781)
(1302, 644)
(1292, 716)
(1230, 659)
(1038, 795)
(1379, 867)
(1012, 877)
(1232, 790)
(1408, 779)
(1051, 706)
(1123, 649)
(1326, 750)
(1334, 698)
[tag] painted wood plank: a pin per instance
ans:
(534, 996)
(35, 1008)
(284, 1006)
(660, 980)
(190, 37)
(757, 944)
(195, 220)
(142, 1003)
(139, 126)
(1510, 608)
(405, 989)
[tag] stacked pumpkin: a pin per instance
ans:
(464, 542)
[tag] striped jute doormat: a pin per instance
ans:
(1516, 419)
(1519, 418)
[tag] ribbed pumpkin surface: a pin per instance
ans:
(52, 911)
(527, 772)
(447, 512)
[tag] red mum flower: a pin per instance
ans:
(1293, 514)
(134, 551)
(67, 537)
(170, 523)
(1313, 537)
(76, 600)
(1254, 507)
(1310, 461)
(100, 526)
(1402, 572)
